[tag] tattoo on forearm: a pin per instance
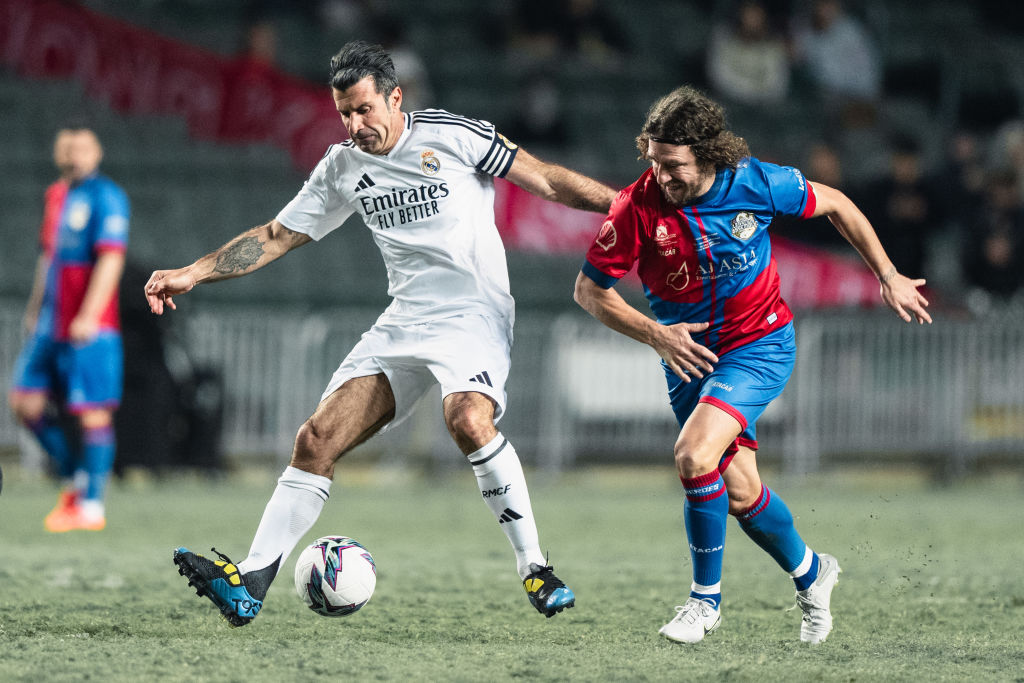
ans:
(890, 274)
(239, 256)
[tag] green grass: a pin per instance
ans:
(932, 587)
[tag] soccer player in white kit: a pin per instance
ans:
(423, 184)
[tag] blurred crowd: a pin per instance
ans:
(951, 211)
(957, 218)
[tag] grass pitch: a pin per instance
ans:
(932, 586)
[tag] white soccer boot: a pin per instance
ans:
(692, 621)
(814, 601)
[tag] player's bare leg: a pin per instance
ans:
(499, 474)
(766, 519)
(343, 420)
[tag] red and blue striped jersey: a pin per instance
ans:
(709, 261)
(93, 219)
(53, 206)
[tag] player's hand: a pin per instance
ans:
(83, 329)
(163, 285)
(686, 357)
(901, 295)
(29, 322)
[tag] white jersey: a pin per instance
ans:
(429, 203)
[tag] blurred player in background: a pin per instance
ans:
(72, 360)
(422, 182)
(695, 224)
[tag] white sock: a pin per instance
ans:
(91, 509)
(290, 513)
(499, 475)
(805, 564)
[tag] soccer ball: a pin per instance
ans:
(335, 576)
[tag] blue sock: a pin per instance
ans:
(98, 450)
(54, 441)
(769, 523)
(705, 513)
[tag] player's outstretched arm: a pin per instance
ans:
(673, 343)
(559, 184)
(899, 292)
(246, 253)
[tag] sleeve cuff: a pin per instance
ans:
(602, 280)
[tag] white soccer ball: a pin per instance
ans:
(335, 576)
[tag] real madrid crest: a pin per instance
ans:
(743, 225)
(429, 163)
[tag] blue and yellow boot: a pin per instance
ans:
(238, 597)
(546, 592)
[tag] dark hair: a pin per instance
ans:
(76, 124)
(687, 116)
(359, 59)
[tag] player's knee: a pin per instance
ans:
(312, 450)
(95, 419)
(26, 410)
(470, 428)
(692, 459)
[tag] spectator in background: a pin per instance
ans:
(993, 246)
(260, 43)
(72, 359)
(960, 183)
(543, 31)
(417, 91)
(250, 82)
(1008, 151)
(350, 17)
(902, 206)
(748, 62)
(539, 121)
(825, 166)
(841, 60)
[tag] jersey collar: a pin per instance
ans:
(712, 191)
(406, 129)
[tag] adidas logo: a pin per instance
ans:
(482, 378)
(509, 515)
(365, 182)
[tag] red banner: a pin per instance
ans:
(140, 72)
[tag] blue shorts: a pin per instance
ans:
(745, 380)
(82, 376)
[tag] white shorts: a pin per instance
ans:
(463, 353)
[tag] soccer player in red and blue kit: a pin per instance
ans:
(695, 224)
(73, 354)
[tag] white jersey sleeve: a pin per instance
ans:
(318, 208)
(483, 148)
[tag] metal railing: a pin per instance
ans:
(865, 385)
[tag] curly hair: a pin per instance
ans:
(687, 116)
(359, 59)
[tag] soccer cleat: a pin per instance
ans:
(546, 591)
(64, 514)
(814, 601)
(238, 597)
(693, 620)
